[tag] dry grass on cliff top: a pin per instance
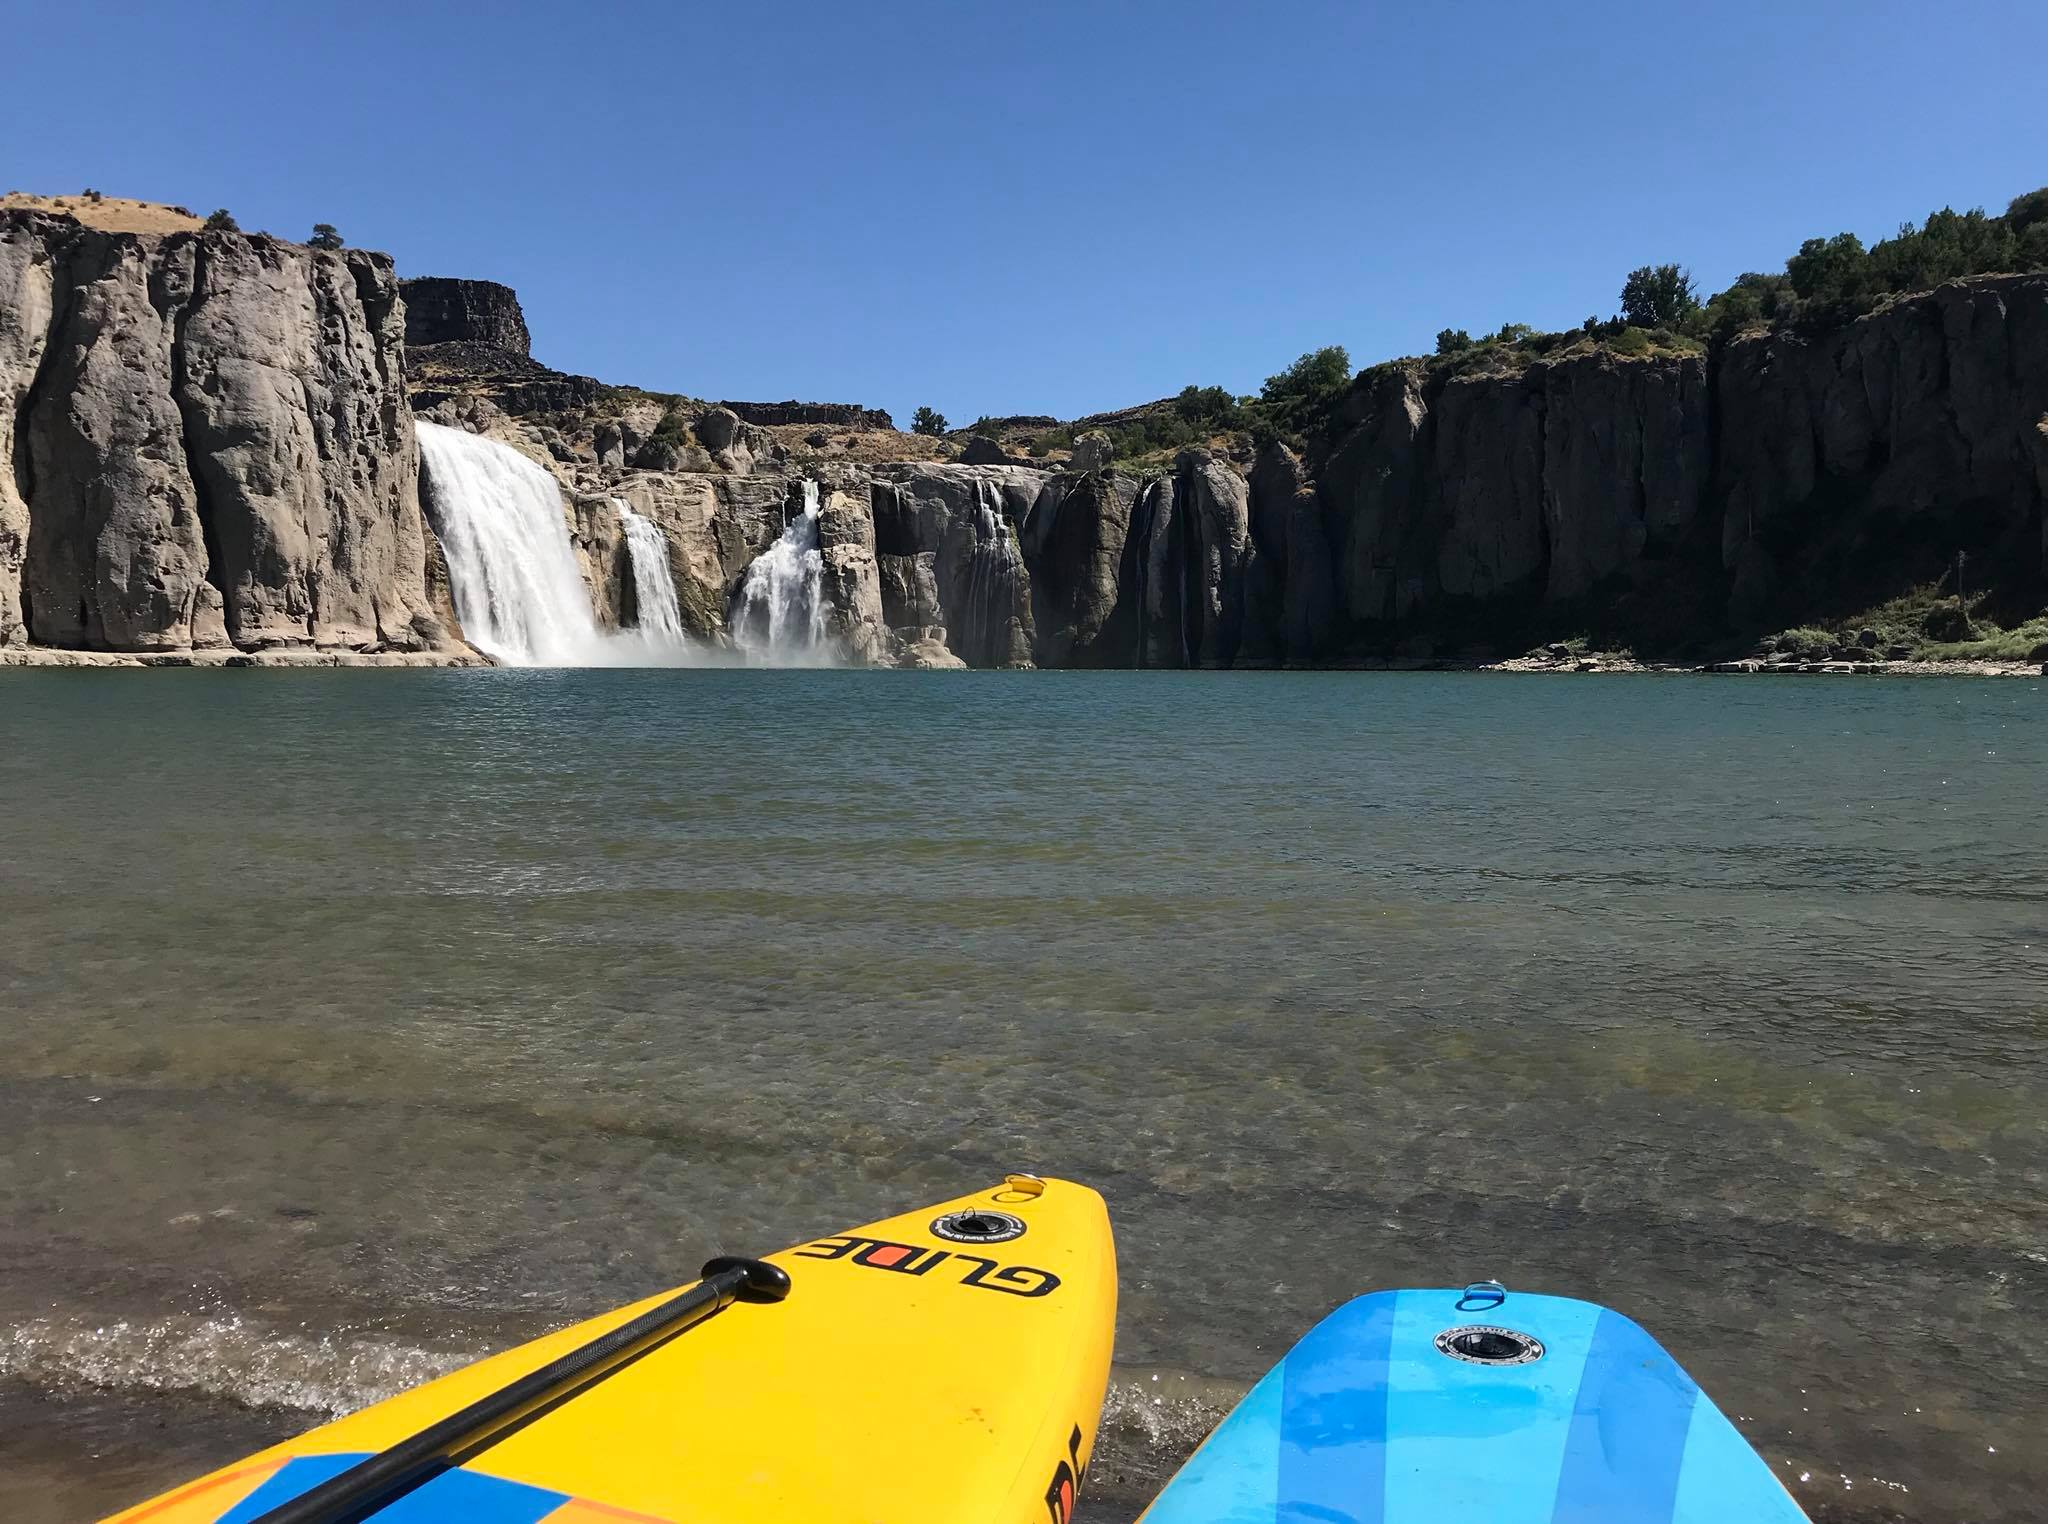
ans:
(110, 214)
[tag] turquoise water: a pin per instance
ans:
(360, 1021)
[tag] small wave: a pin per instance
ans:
(235, 1358)
(1151, 1421)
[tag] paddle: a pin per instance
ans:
(373, 1481)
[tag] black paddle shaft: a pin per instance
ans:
(373, 1481)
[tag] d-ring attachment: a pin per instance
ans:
(1482, 1296)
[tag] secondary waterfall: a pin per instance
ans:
(991, 582)
(660, 620)
(778, 616)
(518, 589)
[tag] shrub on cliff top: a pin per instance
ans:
(673, 429)
(1210, 405)
(1659, 296)
(1302, 398)
(928, 421)
(324, 237)
(222, 221)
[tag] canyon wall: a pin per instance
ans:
(208, 444)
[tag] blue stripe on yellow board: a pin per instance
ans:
(1483, 1443)
(1333, 1417)
(468, 1496)
(1628, 1430)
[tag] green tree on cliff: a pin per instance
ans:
(223, 221)
(1659, 296)
(1829, 269)
(324, 237)
(1300, 400)
(1450, 341)
(927, 421)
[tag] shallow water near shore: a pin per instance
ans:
(357, 1023)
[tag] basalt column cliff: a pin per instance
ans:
(208, 448)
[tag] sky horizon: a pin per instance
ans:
(1067, 211)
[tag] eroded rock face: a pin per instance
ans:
(1074, 543)
(25, 294)
(297, 426)
(116, 554)
(1626, 464)
(1920, 424)
(852, 583)
(214, 442)
(1294, 592)
(948, 543)
(715, 526)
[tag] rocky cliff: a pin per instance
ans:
(208, 444)
(211, 447)
(1679, 501)
(439, 310)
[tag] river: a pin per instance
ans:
(358, 1022)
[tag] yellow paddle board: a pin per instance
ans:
(944, 1366)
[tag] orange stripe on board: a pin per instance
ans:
(584, 1508)
(205, 1484)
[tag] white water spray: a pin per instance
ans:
(660, 620)
(991, 579)
(778, 619)
(517, 587)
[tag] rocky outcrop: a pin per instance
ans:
(949, 555)
(1293, 596)
(26, 282)
(1674, 498)
(210, 443)
(439, 310)
(852, 583)
(843, 415)
(1187, 566)
(298, 430)
(715, 526)
(1074, 544)
(1093, 451)
(1914, 432)
(116, 553)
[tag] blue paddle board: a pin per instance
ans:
(1475, 1407)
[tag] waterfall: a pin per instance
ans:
(778, 616)
(518, 589)
(660, 620)
(991, 581)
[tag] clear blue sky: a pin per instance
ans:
(1054, 207)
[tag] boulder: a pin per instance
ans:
(1093, 451)
(983, 451)
(718, 429)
